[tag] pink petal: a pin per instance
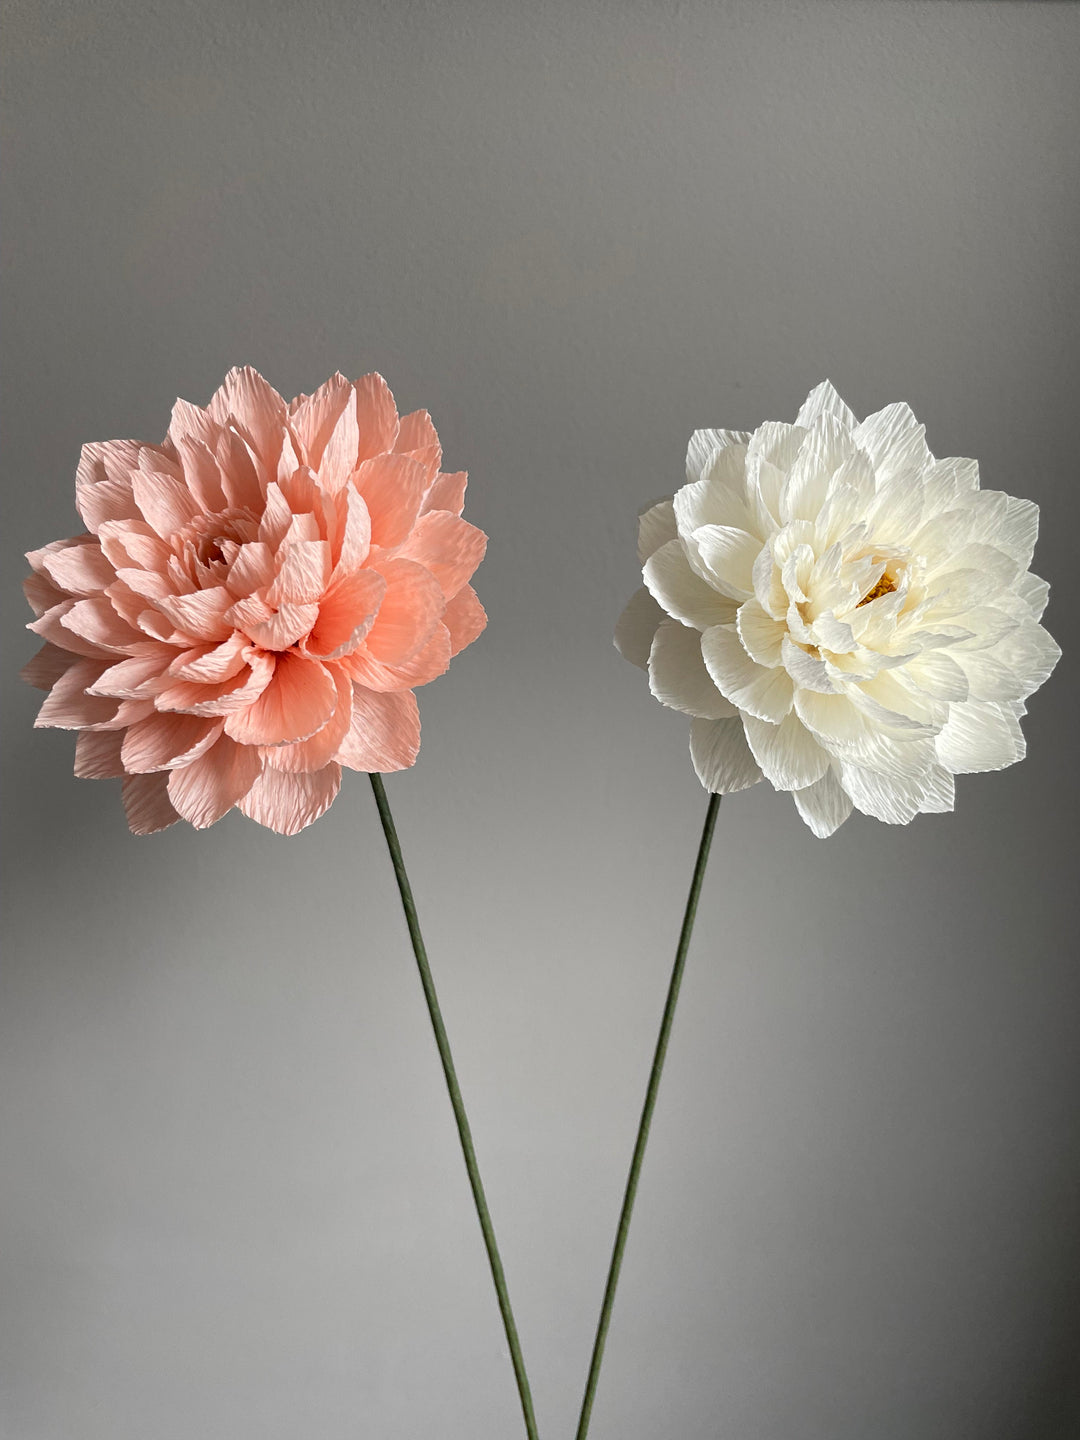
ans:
(356, 535)
(411, 608)
(95, 620)
(132, 544)
(67, 705)
(314, 416)
(97, 754)
(464, 618)
(212, 784)
(447, 493)
(165, 740)
(252, 569)
(221, 697)
(428, 662)
(276, 517)
(287, 803)
(346, 614)
(103, 482)
(245, 396)
(239, 477)
(281, 628)
(77, 566)
(139, 677)
(299, 700)
(41, 594)
(146, 802)
(201, 614)
(416, 432)
(393, 487)
(303, 572)
(45, 668)
(166, 504)
(376, 416)
(192, 422)
(449, 547)
(202, 474)
(339, 457)
(310, 755)
(50, 627)
(210, 663)
(384, 732)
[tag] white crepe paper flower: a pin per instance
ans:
(840, 613)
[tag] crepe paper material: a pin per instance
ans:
(840, 613)
(254, 601)
(461, 1119)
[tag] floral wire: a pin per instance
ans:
(646, 1116)
(464, 1131)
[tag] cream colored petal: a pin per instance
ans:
(678, 677)
(721, 756)
(636, 628)
(824, 805)
(766, 693)
(683, 594)
(656, 526)
(789, 756)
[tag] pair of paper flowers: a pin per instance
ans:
(257, 597)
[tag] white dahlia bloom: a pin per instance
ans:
(840, 613)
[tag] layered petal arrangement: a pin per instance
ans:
(840, 613)
(254, 601)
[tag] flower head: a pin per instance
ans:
(840, 613)
(254, 601)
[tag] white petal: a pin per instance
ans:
(1034, 592)
(1014, 668)
(761, 635)
(682, 593)
(940, 795)
(789, 756)
(938, 674)
(832, 718)
(777, 443)
(824, 806)
(728, 555)
(807, 671)
(656, 526)
(763, 692)
(827, 445)
(677, 674)
(721, 756)
(1007, 523)
(946, 481)
(895, 442)
(978, 736)
(636, 627)
(823, 400)
(705, 443)
(719, 497)
(893, 800)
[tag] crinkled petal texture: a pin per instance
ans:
(840, 613)
(254, 602)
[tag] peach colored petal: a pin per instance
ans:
(346, 614)
(166, 504)
(303, 570)
(393, 487)
(210, 664)
(222, 697)
(50, 627)
(95, 620)
(41, 594)
(339, 459)
(67, 705)
(384, 731)
(164, 741)
(128, 712)
(427, 664)
(299, 700)
(146, 803)
(103, 482)
(200, 615)
(44, 669)
(97, 754)
(252, 569)
(288, 803)
(465, 618)
(416, 432)
(355, 544)
(410, 610)
(212, 784)
(278, 629)
(447, 493)
(239, 476)
(77, 566)
(246, 397)
(132, 544)
(314, 416)
(192, 422)
(449, 547)
(139, 677)
(376, 416)
(310, 755)
(276, 516)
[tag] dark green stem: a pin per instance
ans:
(464, 1132)
(646, 1117)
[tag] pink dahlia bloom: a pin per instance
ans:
(254, 602)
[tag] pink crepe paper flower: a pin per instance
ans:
(254, 602)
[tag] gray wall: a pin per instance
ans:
(232, 1203)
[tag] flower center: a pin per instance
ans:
(885, 586)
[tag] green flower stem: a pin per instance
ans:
(646, 1117)
(464, 1132)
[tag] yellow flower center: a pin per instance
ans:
(885, 586)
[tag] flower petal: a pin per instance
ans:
(637, 627)
(789, 756)
(207, 788)
(464, 619)
(824, 805)
(763, 692)
(384, 732)
(449, 547)
(721, 756)
(684, 595)
(165, 740)
(823, 400)
(299, 700)
(656, 526)
(393, 488)
(288, 803)
(978, 736)
(677, 674)
(147, 804)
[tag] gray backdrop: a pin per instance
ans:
(233, 1207)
